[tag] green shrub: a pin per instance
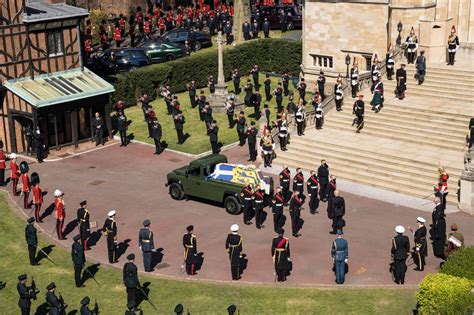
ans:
(460, 263)
(272, 55)
(444, 294)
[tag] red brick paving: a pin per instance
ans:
(131, 180)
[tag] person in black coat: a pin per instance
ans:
(255, 28)
(38, 143)
(31, 240)
(98, 125)
(331, 188)
(178, 124)
(266, 28)
(55, 304)
(207, 114)
(192, 93)
(252, 140)
(236, 80)
(256, 101)
(338, 212)
(246, 30)
(234, 247)
(213, 136)
(323, 178)
(130, 278)
(241, 126)
(438, 228)
(258, 199)
(281, 256)
(78, 260)
(400, 251)
(268, 92)
(156, 134)
(358, 110)
(296, 203)
(190, 250)
(26, 294)
(321, 83)
(147, 245)
(420, 251)
(248, 93)
(278, 92)
(255, 75)
(85, 310)
(122, 128)
(401, 76)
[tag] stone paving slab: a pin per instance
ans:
(131, 180)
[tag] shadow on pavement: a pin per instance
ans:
(94, 238)
(70, 227)
(122, 248)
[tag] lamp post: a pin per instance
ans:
(399, 29)
(348, 62)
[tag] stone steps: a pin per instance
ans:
(449, 115)
(431, 91)
(442, 69)
(378, 164)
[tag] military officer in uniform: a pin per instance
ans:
(110, 230)
(400, 251)
(338, 212)
(401, 77)
(78, 260)
(246, 197)
(438, 230)
(312, 186)
(233, 245)
(213, 133)
(145, 242)
(358, 110)
(453, 44)
(321, 83)
(156, 134)
(332, 186)
(319, 114)
(278, 92)
(421, 246)
(252, 140)
(390, 62)
(268, 89)
(323, 178)
(26, 294)
(281, 255)
(300, 117)
(192, 93)
(178, 124)
(298, 182)
(130, 278)
(241, 121)
(277, 209)
(85, 310)
(412, 45)
(122, 128)
(31, 240)
(340, 255)
(302, 90)
(378, 98)
(83, 216)
(286, 83)
(190, 250)
(339, 94)
(230, 107)
(236, 80)
(282, 131)
(258, 205)
(55, 305)
(354, 78)
(285, 177)
(296, 203)
(60, 212)
(255, 73)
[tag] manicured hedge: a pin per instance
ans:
(272, 55)
(444, 294)
(460, 264)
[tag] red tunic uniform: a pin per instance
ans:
(37, 195)
(117, 35)
(26, 183)
(2, 160)
(147, 27)
(15, 170)
(59, 209)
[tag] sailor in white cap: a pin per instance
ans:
(233, 245)
(110, 229)
(421, 246)
(400, 251)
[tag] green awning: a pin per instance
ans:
(59, 87)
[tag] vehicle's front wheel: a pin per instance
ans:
(232, 205)
(169, 57)
(176, 191)
(197, 46)
(290, 26)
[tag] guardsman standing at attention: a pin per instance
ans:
(85, 310)
(145, 242)
(31, 240)
(278, 92)
(300, 117)
(246, 30)
(241, 128)
(400, 251)
(60, 212)
(338, 212)
(358, 110)
(295, 213)
(354, 78)
(37, 195)
(122, 128)
(281, 256)
(252, 141)
(378, 98)
(286, 82)
(277, 209)
(26, 294)
(178, 124)
(233, 245)
(390, 62)
(15, 173)
(302, 90)
(229, 108)
(130, 278)
(110, 230)
(453, 44)
(298, 182)
(282, 131)
(246, 197)
(156, 134)
(323, 178)
(421, 245)
(401, 77)
(213, 132)
(285, 177)
(412, 45)
(55, 305)
(192, 93)
(255, 73)
(331, 188)
(321, 83)
(236, 80)
(339, 94)
(312, 186)
(25, 188)
(3, 158)
(266, 28)
(258, 205)
(78, 260)
(340, 254)
(190, 250)
(83, 216)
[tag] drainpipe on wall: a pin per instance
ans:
(78, 27)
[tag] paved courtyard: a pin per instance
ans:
(132, 181)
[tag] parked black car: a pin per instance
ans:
(294, 19)
(127, 58)
(159, 51)
(101, 64)
(196, 38)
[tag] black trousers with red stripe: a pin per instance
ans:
(26, 197)
(59, 228)
(37, 211)
(14, 185)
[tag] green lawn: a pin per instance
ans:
(199, 298)
(198, 141)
